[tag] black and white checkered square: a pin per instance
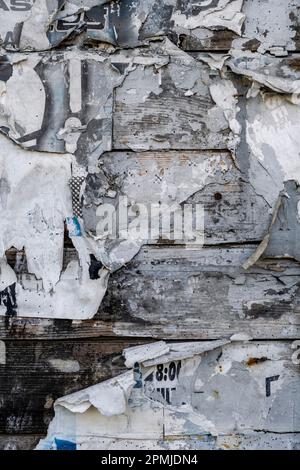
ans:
(75, 185)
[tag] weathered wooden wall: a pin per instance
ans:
(167, 291)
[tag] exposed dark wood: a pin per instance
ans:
(19, 442)
(144, 122)
(36, 373)
(219, 41)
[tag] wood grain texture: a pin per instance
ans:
(37, 373)
(173, 292)
(19, 442)
(144, 121)
(219, 41)
(233, 212)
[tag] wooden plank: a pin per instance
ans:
(19, 442)
(37, 373)
(233, 212)
(252, 441)
(173, 292)
(142, 117)
(201, 40)
(204, 293)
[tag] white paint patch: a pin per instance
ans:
(2, 353)
(65, 365)
(75, 87)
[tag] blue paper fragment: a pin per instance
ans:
(74, 228)
(62, 444)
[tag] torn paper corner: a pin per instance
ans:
(264, 243)
(282, 238)
(142, 353)
(156, 353)
(241, 337)
(109, 397)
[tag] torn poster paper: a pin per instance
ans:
(272, 25)
(27, 23)
(279, 74)
(269, 26)
(191, 392)
(272, 135)
(35, 201)
(65, 146)
(77, 119)
(69, 96)
(282, 239)
(44, 24)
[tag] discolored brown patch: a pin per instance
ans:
(252, 361)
